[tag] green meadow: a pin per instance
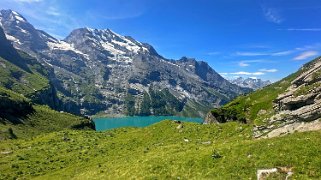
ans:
(159, 151)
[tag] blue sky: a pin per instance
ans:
(268, 39)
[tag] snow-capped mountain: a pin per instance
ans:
(252, 83)
(99, 70)
(22, 33)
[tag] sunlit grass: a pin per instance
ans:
(160, 151)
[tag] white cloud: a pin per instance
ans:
(268, 70)
(301, 29)
(253, 75)
(309, 47)
(282, 53)
(272, 15)
(53, 11)
(305, 55)
(249, 54)
(243, 64)
(248, 73)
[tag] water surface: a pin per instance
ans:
(137, 121)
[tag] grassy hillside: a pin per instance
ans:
(43, 120)
(20, 80)
(160, 151)
(27, 77)
(20, 119)
(19, 71)
(256, 106)
(13, 106)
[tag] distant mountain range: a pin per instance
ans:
(99, 71)
(251, 83)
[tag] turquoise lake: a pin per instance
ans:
(137, 121)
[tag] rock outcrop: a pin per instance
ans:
(210, 119)
(299, 108)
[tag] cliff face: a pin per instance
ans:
(299, 107)
(46, 95)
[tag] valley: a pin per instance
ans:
(96, 104)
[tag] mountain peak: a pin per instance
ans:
(98, 34)
(109, 42)
(8, 12)
(23, 35)
(250, 82)
(10, 15)
(184, 58)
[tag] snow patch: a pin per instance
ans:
(64, 46)
(19, 18)
(15, 13)
(110, 47)
(128, 45)
(23, 31)
(13, 39)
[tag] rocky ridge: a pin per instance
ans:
(299, 108)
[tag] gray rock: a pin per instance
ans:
(210, 119)
(299, 106)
